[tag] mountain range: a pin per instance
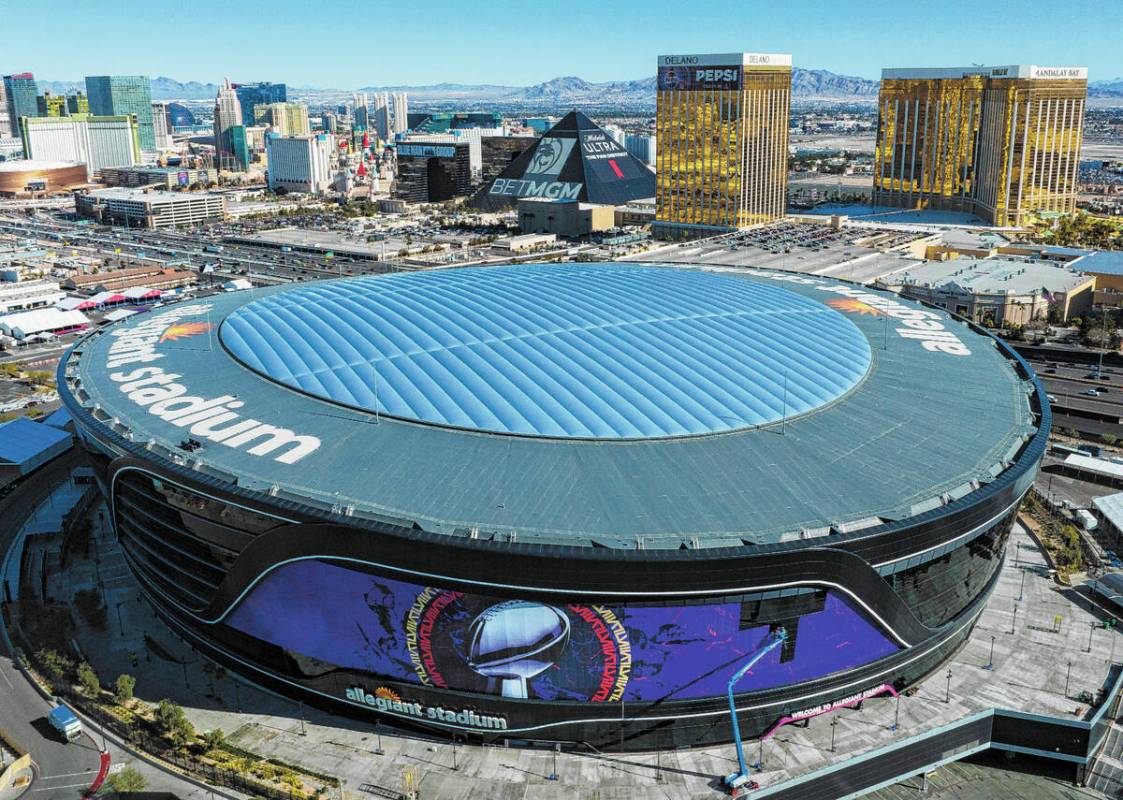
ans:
(568, 90)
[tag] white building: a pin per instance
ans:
(616, 132)
(160, 126)
(227, 115)
(26, 295)
(642, 146)
(300, 163)
(401, 112)
(151, 209)
(97, 142)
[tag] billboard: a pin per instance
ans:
(605, 158)
(700, 78)
(426, 150)
(559, 650)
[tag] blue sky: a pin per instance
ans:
(345, 44)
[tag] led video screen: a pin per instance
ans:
(550, 650)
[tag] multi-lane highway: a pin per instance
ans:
(1070, 386)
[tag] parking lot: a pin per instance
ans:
(856, 254)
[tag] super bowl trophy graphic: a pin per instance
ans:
(515, 640)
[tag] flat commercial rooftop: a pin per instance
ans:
(994, 276)
(436, 399)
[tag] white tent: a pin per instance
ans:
(71, 303)
(236, 285)
(139, 293)
(40, 320)
(119, 314)
(101, 298)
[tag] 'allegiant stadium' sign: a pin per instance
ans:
(388, 702)
(160, 392)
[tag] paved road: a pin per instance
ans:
(65, 770)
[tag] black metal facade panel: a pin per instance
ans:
(906, 760)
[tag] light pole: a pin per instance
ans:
(834, 725)
(120, 625)
(378, 732)
(303, 732)
(454, 767)
(947, 697)
(1091, 628)
(990, 663)
(553, 776)
(183, 664)
(1068, 675)
(1022, 587)
(1013, 625)
(897, 710)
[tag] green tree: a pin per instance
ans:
(174, 722)
(127, 781)
(123, 688)
(1109, 439)
(54, 665)
(87, 679)
(214, 739)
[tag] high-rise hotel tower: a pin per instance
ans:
(721, 142)
(999, 142)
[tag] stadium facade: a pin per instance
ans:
(562, 503)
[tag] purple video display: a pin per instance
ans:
(445, 638)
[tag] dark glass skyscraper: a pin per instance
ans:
(113, 95)
(21, 99)
(256, 94)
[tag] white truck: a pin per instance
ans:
(62, 719)
(1086, 520)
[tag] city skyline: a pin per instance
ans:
(524, 49)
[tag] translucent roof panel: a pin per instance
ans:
(607, 351)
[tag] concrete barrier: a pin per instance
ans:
(16, 775)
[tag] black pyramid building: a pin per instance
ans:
(575, 160)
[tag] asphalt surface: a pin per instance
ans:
(64, 769)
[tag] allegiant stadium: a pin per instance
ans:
(563, 503)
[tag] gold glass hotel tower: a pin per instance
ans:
(721, 151)
(999, 142)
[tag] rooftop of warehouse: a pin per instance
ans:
(996, 275)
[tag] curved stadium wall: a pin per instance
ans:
(486, 635)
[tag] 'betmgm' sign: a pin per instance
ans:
(540, 177)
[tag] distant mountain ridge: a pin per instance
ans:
(162, 89)
(806, 83)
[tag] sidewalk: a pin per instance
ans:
(1031, 672)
